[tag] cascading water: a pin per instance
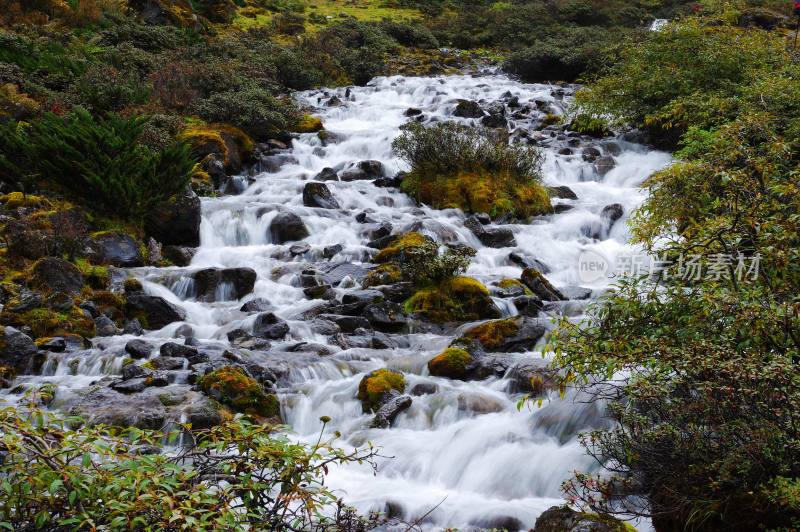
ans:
(463, 446)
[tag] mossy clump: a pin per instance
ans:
(387, 273)
(513, 283)
(15, 200)
(373, 388)
(395, 250)
(551, 119)
(309, 124)
(492, 334)
(232, 387)
(475, 192)
(593, 126)
(133, 286)
(451, 363)
(96, 277)
(45, 322)
(456, 299)
(221, 139)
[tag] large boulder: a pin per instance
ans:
(176, 221)
(287, 227)
(496, 117)
(564, 519)
(540, 286)
(468, 109)
(153, 312)
(268, 325)
(493, 237)
(17, 350)
(511, 335)
(57, 275)
(117, 249)
(389, 410)
(379, 387)
(316, 194)
(217, 284)
(386, 316)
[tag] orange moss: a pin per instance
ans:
(309, 124)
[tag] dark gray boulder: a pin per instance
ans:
(217, 284)
(54, 274)
(116, 249)
(138, 349)
(389, 410)
(287, 227)
(327, 174)
(176, 221)
(468, 109)
(258, 304)
(17, 350)
(156, 311)
(268, 325)
(540, 286)
(316, 194)
(493, 237)
(386, 316)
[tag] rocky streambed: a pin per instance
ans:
(284, 288)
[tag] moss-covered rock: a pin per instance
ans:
(45, 322)
(232, 387)
(451, 363)
(15, 200)
(476, 192)
(492, 334)
(394, 251)
(510, 335)
(230, 143)
(376, 387)
(507, 284)
(565, 519)
(387, 273)
(309, 124)
(456, 299)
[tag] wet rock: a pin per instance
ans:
(412, 111)
(365, 218)
(55, 345)
(612, 213)
(424, 388)
(27, 300)
(336, 273)
(184, 331)
(373, 169)
(316, 194)
(329, 252)
(528, 305)
(493, 237)
(116, 249)
(353, 174)
(60, 301)
(177, 221)
(362, 296)
(562, 192)
(54, 274)
(380, 231)
(532, 376)
(258, 304)
(590, 154)
(163, 363)
(390, 410)
(287, 227)
(156, 311)
(576, 292)
(564, 519)
(334, 101)
(245, 340)
(323, 291)
(134, 371)
(138, 349)
(216, 284)
(130, 386)
(17, 350)
(105, 327)
(171, 349)
(346, 324)
(326, 327)
(496, 117)
(505, 522)
(511, 335)
(604, 165)
(386, 316)
(389, 182)
(270, 326)
(540, 286)
(397, 292)
(133, 327)
(468, 109)
(295, 250)
(560, 208)
(178, 255)
(565, 151)
(478, 403)
(327, 174)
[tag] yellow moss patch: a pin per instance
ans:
(474, 192)
(15, 200)
(309, 124)
(551, 119)
(451, 363)
(388, 273)
(47, 323)
(402, 244)
(457, 299)
(97, 277)
(492, 333)
(374, 386)
(217, 138)
(511, 283)
(231, 386)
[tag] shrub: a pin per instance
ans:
(104, 89)
(455, 166)
(237, 476)
(254, 110)
(99, 160)
(412, 34)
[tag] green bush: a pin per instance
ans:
(414, 35)
(253, 109)
(98, 160)
(237, 476)
(104, 89)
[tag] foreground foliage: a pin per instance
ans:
(705, 365)
(236, 476)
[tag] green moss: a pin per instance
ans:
(45, 323)
(133, 285)
(232, 387)
(492, 333)
(373, 387)
(388, 273)
(97, 277)
(451, 363)
(457, 299)
(217, 138)
(309, 124)
(511, 283)
(405, 242)
(551, 119)
(15, 200)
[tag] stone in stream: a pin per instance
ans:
(564, 519)
(540, 286)
(270, 326)
(138, 349)
(258, 304)
(604, 165)
(562, 192)
(327, 174)
(176, 221)
(373, 169)
(353, 174)
(493, 237)
(105, 327)
(217, 284)
(287, 227)
(386, 316)
(329, 252)
(612, 213)
(156, 311)
(389, 410)
(496, 117)
(167, 363)
(55, 345)
(17, 350)
(468, 109)
(171, 349)
(316, 194)
(116, 249)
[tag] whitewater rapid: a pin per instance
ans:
(464, 456)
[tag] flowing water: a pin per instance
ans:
(467, 447)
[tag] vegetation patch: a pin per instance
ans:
(403, 245)
(492, 334)
(451, 363)
(231, 386)
(455, 299)
(374, 387)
